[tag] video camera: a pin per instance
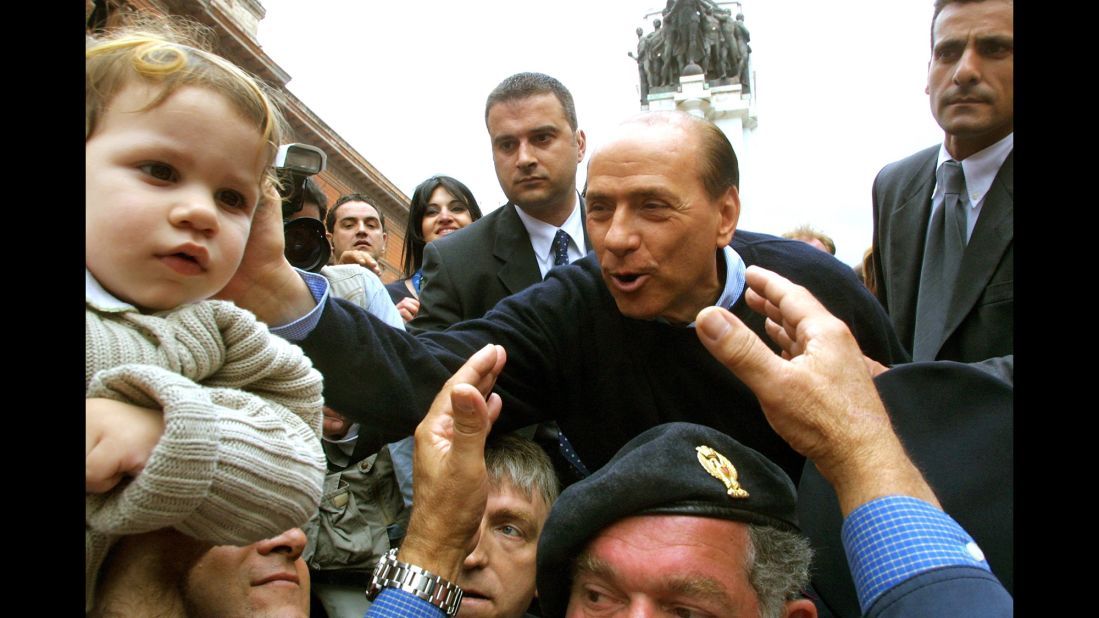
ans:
(307, 246)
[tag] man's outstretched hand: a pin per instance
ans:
(818, 396)
(450, 484)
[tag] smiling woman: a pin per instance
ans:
(440, 206)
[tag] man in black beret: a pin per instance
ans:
(682, 520)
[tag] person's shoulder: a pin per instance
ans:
(793, 259)
(1006, 175)
(769, 246)
(911, 162)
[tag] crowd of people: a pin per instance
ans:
(592, 401)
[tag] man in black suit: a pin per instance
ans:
(536, 146)
(969, 318)
(960, 433)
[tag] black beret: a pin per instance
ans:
(671, 469)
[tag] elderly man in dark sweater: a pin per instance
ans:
(606, 345)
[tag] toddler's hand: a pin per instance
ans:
(118, 438)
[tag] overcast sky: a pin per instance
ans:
(839, 90)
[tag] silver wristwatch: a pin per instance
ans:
(392, 573)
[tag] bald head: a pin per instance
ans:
(717, 164)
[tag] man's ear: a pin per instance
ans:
(728, 215)
(799, 608)
(581, 145)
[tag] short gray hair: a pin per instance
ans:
(778, 567)
(524, 464)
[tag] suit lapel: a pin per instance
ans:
(993, 233)
(518, 267)
(909, 235)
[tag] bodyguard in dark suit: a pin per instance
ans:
(536, 146)
(952, 302)
(943, 245)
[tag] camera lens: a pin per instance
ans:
(306, 245)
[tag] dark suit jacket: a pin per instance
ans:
(469, 271)
(980, 319)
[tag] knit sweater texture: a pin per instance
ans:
(240, 458)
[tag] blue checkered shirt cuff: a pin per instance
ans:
(891, 539)
(393, 602)
(300, 328)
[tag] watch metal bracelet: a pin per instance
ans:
(392, 573)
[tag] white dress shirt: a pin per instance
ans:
(980, 170)
(542, 233)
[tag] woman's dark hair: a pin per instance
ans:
(412, 258)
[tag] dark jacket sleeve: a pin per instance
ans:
(965, 592)
(375, 374)
(386, 379)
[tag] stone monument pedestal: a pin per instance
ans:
(724, 105)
